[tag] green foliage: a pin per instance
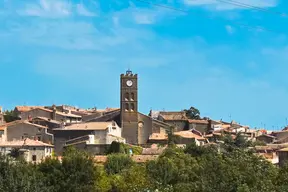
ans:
(78, 170)
(258, 143)
(15, 153)
(123, 148)
(117, 162)
(192, 113)
(9, 116)
(193, 169)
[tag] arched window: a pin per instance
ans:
(132, 96)
(132, 107)
(126, 96)
(126, 107)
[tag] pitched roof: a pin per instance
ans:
(26, 108)
(20, 122)
(25, 142)
(188, 134)
(198, 121)
(87, 126)
(57, 112)
(108, 109)
(265, 135)
(47, 119)
(173, 115)
(158, 136)
(284, 150)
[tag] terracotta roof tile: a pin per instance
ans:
(188, 134)
(179, 115)
(198, 121)
(27, 108)
(47, 119)
(158, 136)
(20, 122)
(87, 126)
(26, 142)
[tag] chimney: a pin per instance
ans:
(54, 112)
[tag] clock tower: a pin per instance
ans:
(129, 106)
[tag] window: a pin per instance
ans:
(126, 107)
(39, 138)
(132, 107)
(34, 149)
(34, 157)
(132, 96)
(126, 96)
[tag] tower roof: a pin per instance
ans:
(129, 72)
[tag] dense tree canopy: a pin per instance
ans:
(229, 167)
(192, 113)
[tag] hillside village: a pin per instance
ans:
(45, 131)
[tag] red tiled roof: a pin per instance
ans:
(178, 115)
(27, 108)
(158, 136)
(198, 121)
(188, 134)
(26, 142)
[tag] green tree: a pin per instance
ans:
(52, 172)
(79, 171)
(10, 116)
(117, 162)
(192, 113)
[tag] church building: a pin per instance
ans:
(136, 127)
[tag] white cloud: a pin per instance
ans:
(84, 11)
(48, 8)
(229, 29)
(218, 5)
(55, 9)
(144, 19)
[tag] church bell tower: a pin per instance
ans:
(129, 106)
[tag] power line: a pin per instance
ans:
(258, 28)
(245, 5)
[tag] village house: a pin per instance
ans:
(283, 156)
(32, 150)
(266, 138)
(92, 136)
(47, 122)
(66, 118)
(21, 129)
(188, 137)
(18, 110)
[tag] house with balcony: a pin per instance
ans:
(87, 136)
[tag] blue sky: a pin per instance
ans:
(72, 52)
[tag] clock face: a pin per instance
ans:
(129, 83)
